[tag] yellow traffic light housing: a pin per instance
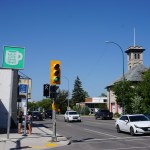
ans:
(55, 72)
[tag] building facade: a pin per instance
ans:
(135, 70)
(95, 103)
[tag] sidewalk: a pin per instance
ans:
(40, 139)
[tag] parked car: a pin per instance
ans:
(48, 114)
(72, 116)
(133, 124)
(37, 115)
(103, 114)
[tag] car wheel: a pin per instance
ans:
(118, 129)
(64, 119)
(101, 118)
(131, 131)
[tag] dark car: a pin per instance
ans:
(36, 115)
(48, 114)
(103, 114)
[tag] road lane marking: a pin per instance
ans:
(101, 133)
(100, 123)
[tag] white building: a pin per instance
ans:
(135, 69)
(5, 96)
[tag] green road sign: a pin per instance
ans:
(13, 57)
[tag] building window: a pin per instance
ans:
(105, 100)
(134, 56)
(138, 56)
(130, 56)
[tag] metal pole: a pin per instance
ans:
(54, 137)
(122, 72)
(68, 108)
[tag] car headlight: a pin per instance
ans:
(136, 126)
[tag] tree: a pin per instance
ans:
(86, 94)
(137, 105)
(78, 94)
(32, 106)
(62, 101)
(45, 104)
(143, 90)
(124, 93)
(103, 95)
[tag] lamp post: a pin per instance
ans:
(68, 108)
(122, 72)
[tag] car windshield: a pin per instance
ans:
(104, 111)
(73, 113)
(138, 118)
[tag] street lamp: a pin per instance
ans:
(68, 91)
(122, 72)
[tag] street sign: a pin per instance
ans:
(23, 88)
(13, 57)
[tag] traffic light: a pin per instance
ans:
(53, 91)
(46, 90)
(55, 72)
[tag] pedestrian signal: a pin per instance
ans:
(46, 88)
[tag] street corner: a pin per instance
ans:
(50, 144)
(45, 146)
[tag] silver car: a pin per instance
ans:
(72, 116)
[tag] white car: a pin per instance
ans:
(134, 124)
(72, 116)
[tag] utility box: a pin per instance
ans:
(5, 96)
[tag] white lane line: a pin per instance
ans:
(116, 139)
(100, 133)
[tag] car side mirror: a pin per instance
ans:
(126, 121)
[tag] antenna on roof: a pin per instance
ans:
(134, 36)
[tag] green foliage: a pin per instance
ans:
(124, 93)
(78, 94)
(103, 95)
(136, 95)
(84, 110)
(45, 104)
(137, 105)
(32, 106)
(116, 115)
(77, 108)
(143, 90)
(62, 101)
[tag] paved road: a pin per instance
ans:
(93, 134)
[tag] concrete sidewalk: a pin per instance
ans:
(41, 138)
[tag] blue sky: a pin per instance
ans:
(74, 32)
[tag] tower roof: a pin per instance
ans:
(132, 75)
(135, 49)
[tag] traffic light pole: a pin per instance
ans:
(54, 137)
